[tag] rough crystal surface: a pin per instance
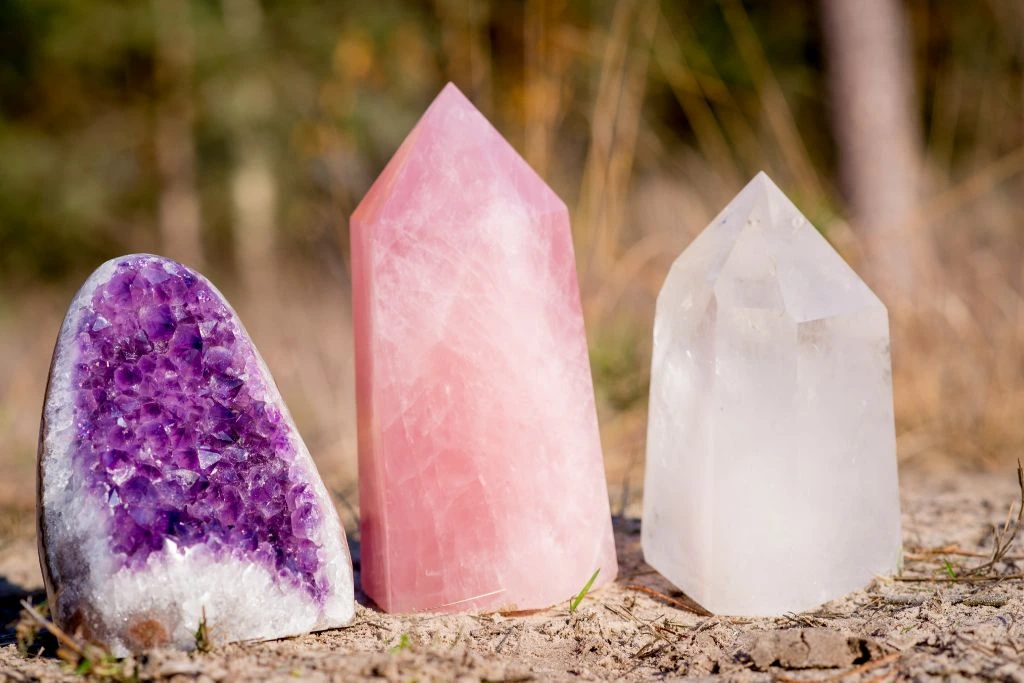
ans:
(481, 478)
(771, 479)
(163, 422)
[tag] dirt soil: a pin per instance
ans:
(970, 628)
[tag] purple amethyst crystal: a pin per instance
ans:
(163, 426)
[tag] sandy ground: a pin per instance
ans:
(893, 630)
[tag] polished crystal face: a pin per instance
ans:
(481, 479)
(771, 470)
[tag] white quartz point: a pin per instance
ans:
(771, 453)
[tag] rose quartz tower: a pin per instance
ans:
(481, 480)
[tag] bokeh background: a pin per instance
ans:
(238, 136)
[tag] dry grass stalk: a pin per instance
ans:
(1004, 537)
(661, 630)
(692, 608)
(693, 99)
(776, 109)
(84, 658)
(856, 671)
(616, 127)
(958, 579)
(951, 549)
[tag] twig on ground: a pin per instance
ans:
(1005, 536)
(694, 609)
(34, 616)
(959, 579)
(665, 631)
(805, 620)
(27, 628)
(856, 671)
(86, 659)
(649, 650)
(497, 648)
(622, 612)
(952, 549)
(663, 625)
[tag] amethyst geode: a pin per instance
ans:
(173, 482)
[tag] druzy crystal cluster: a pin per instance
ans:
(771, 453)
(481, 480)
(173, 432)
(163, 422)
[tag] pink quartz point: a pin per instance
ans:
(481, 478)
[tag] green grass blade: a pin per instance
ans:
(949, 569)
(575, 602)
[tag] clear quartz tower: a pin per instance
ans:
(771, 479)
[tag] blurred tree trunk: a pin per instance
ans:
(876, 131)
(253, 185)
(179, 213)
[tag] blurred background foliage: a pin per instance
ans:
(238, 136)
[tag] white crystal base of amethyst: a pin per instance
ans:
(240, 599)
(161, 599)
